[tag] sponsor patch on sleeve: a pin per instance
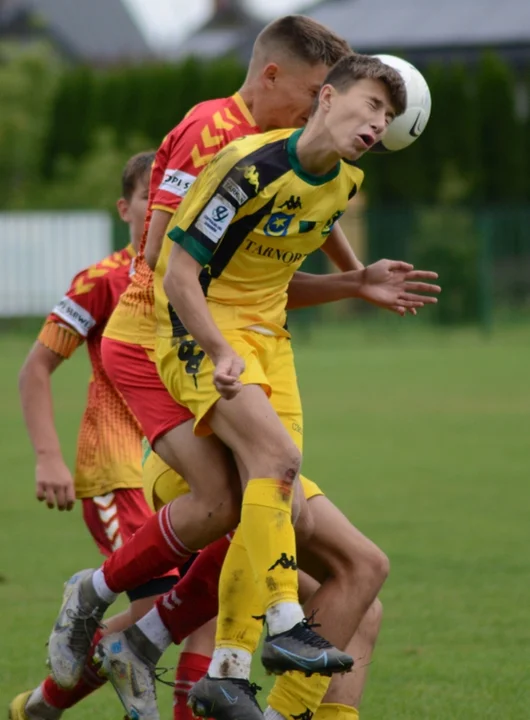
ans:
(235, 191)
(177, 182)
(215, 218)
(74, 315)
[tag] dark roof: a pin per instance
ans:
(96, 31)
(221, 35)
(378, 24)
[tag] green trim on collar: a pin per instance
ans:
(299, 170)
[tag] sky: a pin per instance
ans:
(163, 21)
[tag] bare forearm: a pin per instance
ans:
(306, 290)
(186, 296)
(37, 408)
(338, 249)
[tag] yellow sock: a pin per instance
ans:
(268, 535)
(336, 711)
(294, 694)
(239, 601)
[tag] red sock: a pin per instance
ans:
(191, 669)
(90, 681)
(152, 551)
(194, 599)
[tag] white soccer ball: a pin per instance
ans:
(407, 128)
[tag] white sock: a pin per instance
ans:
(37, 705)
(101, 587)
(272, 714)
(283, 617)
(154, 629)
(230, 662)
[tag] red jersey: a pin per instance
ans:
(109, 449)
(184, 152)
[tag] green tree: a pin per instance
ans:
(501, 168)
(93, 182)
(28, 79)
(72, 119)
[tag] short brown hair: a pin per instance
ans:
(360, 67)
(303, 38)
(134, 171)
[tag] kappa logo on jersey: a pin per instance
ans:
(278, 224)
(294, 203)
(177, 182)
(76, 316)
(251, 175)
(215, 218)
(233, 189)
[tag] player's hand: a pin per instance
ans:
(228, 369)
(55, 485)
(396, 286)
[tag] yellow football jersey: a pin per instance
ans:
(250, 219)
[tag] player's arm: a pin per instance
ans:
(155, 235)
(389, 284)
(307, 289)
(200, 226)
(185, 294)
(54, 481)
(82, 309)
(340, 252)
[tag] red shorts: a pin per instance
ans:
(135, 376)
(112, 519)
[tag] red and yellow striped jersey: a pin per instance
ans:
(183, 154)
(109, 451)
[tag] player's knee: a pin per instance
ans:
(367, 567)
(288, 463)
(375, 567)
(281, 461)
(215, 513)
(223, 512)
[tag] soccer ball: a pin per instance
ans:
(407, 128)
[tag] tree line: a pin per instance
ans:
(66, 132)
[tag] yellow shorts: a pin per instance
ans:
(162, 484)
(310, 488)
(269, 362)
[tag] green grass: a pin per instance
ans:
(423, 440)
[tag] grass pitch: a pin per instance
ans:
(422, 439)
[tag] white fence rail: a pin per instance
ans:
(41, 252)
